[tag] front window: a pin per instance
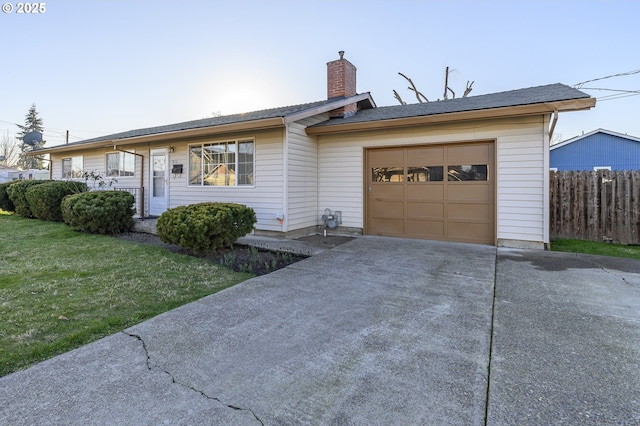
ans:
(72, 168)
(228, 163)
(120, 164)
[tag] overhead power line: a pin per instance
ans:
(618, 93)
(579, 85)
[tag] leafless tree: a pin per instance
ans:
(422, 98)
(9, 150)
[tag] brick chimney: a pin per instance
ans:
(341, 83)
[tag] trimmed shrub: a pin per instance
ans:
(99, 212)
(17, 194)
(205, 226)
(5, 201)
(45, 200)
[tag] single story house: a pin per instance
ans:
(596, 150)
(471, 169)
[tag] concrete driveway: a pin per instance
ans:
(376, 331)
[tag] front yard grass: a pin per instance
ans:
(61, 289)
(595, 247)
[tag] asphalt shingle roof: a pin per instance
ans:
(532, 95)
(210, 122)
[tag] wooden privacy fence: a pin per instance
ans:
(598, 206)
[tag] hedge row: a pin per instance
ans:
(199, 227)
(102, 212)
(45, 200)
(18, 194)
(5, 202)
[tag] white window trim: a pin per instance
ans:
(120, 157)
(71, 158)
(237, 141)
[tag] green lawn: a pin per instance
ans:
(60, 289)
(594, 247)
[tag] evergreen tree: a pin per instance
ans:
(32, 123)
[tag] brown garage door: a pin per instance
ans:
(442, 192)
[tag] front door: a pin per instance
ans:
(159, 179)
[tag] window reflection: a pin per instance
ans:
(425, 174)
(387, 174)
(467, 173)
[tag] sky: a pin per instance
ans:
(96, 67)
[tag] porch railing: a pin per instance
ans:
(138, 194)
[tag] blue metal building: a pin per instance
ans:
(599, 149)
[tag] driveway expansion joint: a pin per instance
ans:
(491, 329)
(150, 367)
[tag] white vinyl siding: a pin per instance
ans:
(265, 197)
(520, 185)
(302, 185)
(523, 185)
(94, 161)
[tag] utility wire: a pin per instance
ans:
(579, 85)
(611, 90)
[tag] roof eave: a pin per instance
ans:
(503, 112)
(264, 124)
(363, 98)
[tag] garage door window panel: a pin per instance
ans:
(425, 174)
(387, 174)
(465, 173)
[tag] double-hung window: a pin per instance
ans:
(120, 164)
(226, 163)
(72, 168)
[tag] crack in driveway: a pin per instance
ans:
(151, 367)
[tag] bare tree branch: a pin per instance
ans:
(422, 98)
(414, 89)
(10, 150)
(468, 89)
(397, 96)
(452, 92)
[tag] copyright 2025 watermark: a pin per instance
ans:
(24, 8)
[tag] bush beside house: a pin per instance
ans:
(5, 201)
(99, 212)
(45, 201)
(17, 194)
(205, 226)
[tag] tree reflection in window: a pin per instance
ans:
(387, 174)
(425, 174)
(467, 173)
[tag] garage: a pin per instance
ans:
(437, 192)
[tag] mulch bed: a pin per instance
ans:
(243, 258)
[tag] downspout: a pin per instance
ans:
(553, 125)
(546, 183)
(285, 180)
(115, 148)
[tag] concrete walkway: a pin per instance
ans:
(377, 331)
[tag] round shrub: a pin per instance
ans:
(45, 200)
(5, 201)
(205, 226)
(99, 212)
(17, 194)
